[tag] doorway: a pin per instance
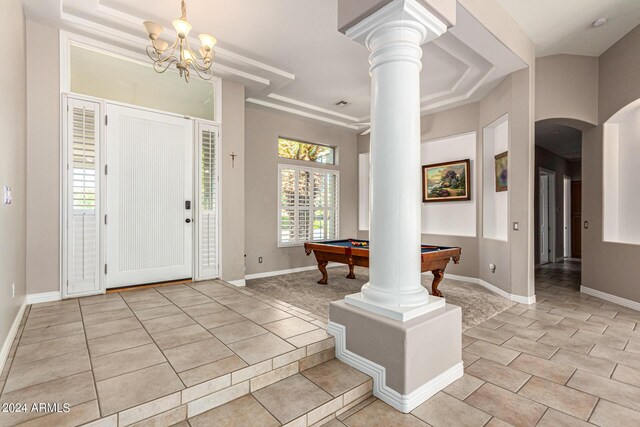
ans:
(547, 216)
(566, 217)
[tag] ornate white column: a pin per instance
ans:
(394, 36)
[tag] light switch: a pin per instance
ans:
(516, 226)
(7, 195)
(586, 225)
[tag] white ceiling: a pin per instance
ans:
(289, 54)
(564, 26)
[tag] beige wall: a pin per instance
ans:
(233, 181)
(263, 127)
(13, 147)
(567, 87)
(43, 152)
(609, 267)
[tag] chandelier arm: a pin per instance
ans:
(203, 74)
(161, 67)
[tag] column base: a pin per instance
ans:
(408, 361)
(396, 312)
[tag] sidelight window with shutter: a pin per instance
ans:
(208, 231)
(308, 205)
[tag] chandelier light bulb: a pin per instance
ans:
(208, 41)
(160, 45)
(153, 29)
(182, 27)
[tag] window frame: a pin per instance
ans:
(307, 162)
(311, 170)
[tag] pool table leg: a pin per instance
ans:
(438, 275)
(351, 275)
(322, 266)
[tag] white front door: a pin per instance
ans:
(544, 218)
(149, 227)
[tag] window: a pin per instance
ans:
(308, 205)
(297, 150)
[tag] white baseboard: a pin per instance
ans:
(493, 288)
(402, 402)
(43, 297)
(239, 282)
(8, 341)
(611, 298)
(289, 271)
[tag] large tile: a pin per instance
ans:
(146, 304)
(490, 335)
(500, 375)
(572, 314)
(291, 397)
(595, 338)
(620, 356)
(174, 288)
(379, 413)
(211, 370)
(96, 299)
(156, 312)
(564, 399)
(609, 414)
(113, 327)
(541, 315)
(584, 362)
(493, 352)
(507, 406)
(52, 320)
(530, 334)
(531, 347)
(219, 318)
(335, 377)
(29, 374)
(106, 316)
(266, 316)
(463, 387)
(166, 323)
(622, 324)
(52, 310)
(247, 306)
(132, 389)
(51, 332)
(444, 410)
(180, 336)
(122, 362)
(196, 354)
(102, 307)
(245, 411)
(552, 329)
(118, 342)
(237, 331)
(543, 368)
(583, 325)
(52, 348)
(567, 343)
(287, 328)
(203, 309)
(308, 338)
(627, 375)
(139, 294)
(192, 300)
(614, 391)
(262, 347)
(514, 320)
(77, 415)
(553, 418)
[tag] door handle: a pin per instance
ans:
(188, 220)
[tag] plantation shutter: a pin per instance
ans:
(208, 232)
(82, 198)
(308, 205)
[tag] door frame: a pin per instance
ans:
(101, 188)
(566, 220)
(551, 206)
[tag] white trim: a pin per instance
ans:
(395, 312)
(559, 259)
(288, 271)
(44, 297)
(493, 288)
(301, 113)
(238, 283)
(634, 305)
(402, 402)
(8, 341)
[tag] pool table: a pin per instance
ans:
(356, 252)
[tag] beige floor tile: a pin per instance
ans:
(161, 324)
(467, 340)
(245, 411)
(620, 356)
(52, 332)
(173, 418)
(606, 388)
(572, 314)
(106, 316)
(211, 370)
(96, 299)
(567, 343)
(507, 406)
(237, 331)
(492, 323)
(52, 348)
(530, 334)
(497, 422)
(262, 347)
(543, 368)
(444, 410)
(379, 413)
(118, 342)
(291, 397)
(462, 388)
(132, 389)
(267, 315)
(196, 354)
(287, 328)
(247, 306)
(531, 347)
(553, 418)
(156, 312)
(51, 320)
(29, 374)
(180, 336)
(145, 304)
(541, 315)
(113, 327)
(74, 390)
(170, 289)
(609, 414)
(622, 324)
(122, 362)
(623, 333)
(500, 375)
(490, 335)
(595, 338)
(583, 325)
(139, 294)
(203, 309)
(77, 415)
(632, 316)
(564, 399)
(633, 347)
(627, 375)
(552, 329)
(52, 310)
(513, 320)
(308, 338)
(584, 362)
(102, 307)
(493, 352)
(192, 300)
(219, 318)
(335, 377)
(186, 292)
(468, 358)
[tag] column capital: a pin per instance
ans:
(398, 14)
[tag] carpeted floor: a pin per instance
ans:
(301, 290)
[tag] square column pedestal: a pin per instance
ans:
(409, 361)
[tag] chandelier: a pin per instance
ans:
(179, 52)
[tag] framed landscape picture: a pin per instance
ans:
(502, 171)
(446, 182)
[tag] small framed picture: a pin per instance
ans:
(502, 171)
(446, 182)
